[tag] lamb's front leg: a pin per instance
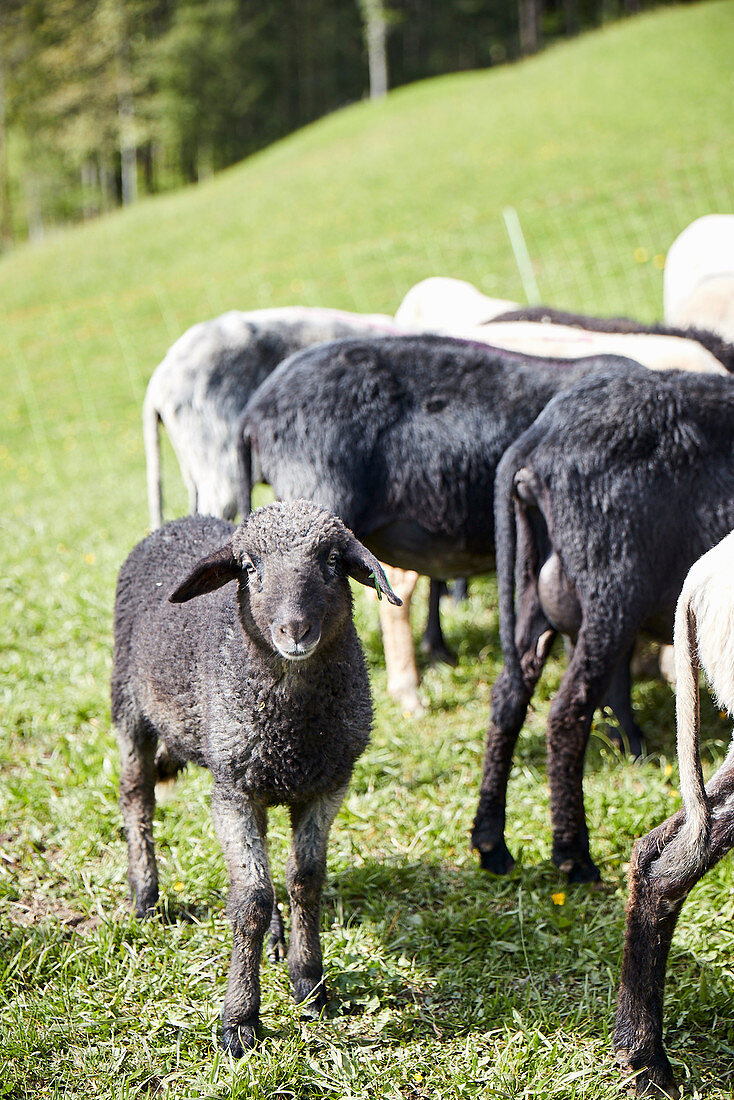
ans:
(137, 801)
(241, 827)
(305, 875)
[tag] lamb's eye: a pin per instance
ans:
(332, 561)
(252, 574)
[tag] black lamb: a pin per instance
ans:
(264, 684)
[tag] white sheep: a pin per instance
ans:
(442, 304)
(654, 350)
(670, 860)
(698, 280)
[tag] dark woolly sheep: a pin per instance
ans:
(264, 684)
(601, 507)
(669, 861)
(401, 437)
(202, 385)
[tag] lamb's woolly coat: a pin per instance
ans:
(262, 681)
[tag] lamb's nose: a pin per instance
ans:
(295, 631)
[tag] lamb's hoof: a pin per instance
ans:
(276, 946)
(655, 1078)
(629, 745)
(578, 870)
(407, 699)
(239, 1039)
(145, 905)
(276, 949)
(313, 998)
(439, 654)
(497, 859)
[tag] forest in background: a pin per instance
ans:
(104, 100)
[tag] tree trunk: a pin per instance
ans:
(375, 32)
(6, 213)
(571, 16)
(34, 211)
(125, 108)
(128, 156)
(529, 14)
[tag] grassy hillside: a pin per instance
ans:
(448, 983)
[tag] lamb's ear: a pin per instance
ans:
(208, 574)
(365, 568)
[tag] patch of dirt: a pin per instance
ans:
(36, 909)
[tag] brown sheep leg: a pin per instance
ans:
(653, 906)
(397, 639)
(534, 638)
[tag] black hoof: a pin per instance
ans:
(312, 997)
(498, 860)
(630, 745)
(439, 654)
(578, 870)
(239, 1039)
(146, 906)
(654, 1078)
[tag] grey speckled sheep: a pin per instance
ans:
(202, 385)
(264, 684)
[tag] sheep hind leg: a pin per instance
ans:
(433, 643)
(618, 698)
(581, 691)
(305, 875)
(241, 828)
(137, 802)
(653, 906)
(534, 637)
(397, 640)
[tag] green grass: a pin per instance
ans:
(446, 982)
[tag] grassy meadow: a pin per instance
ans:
(446, 982)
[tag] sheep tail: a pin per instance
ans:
(151, 442)
(244, 462)
(686, 852)
(505, 554)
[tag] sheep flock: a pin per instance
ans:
(589, 461)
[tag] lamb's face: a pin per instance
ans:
(291, 562)
(298, 599)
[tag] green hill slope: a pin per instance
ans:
(606, 145)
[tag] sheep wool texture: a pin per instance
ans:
(219, 695)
